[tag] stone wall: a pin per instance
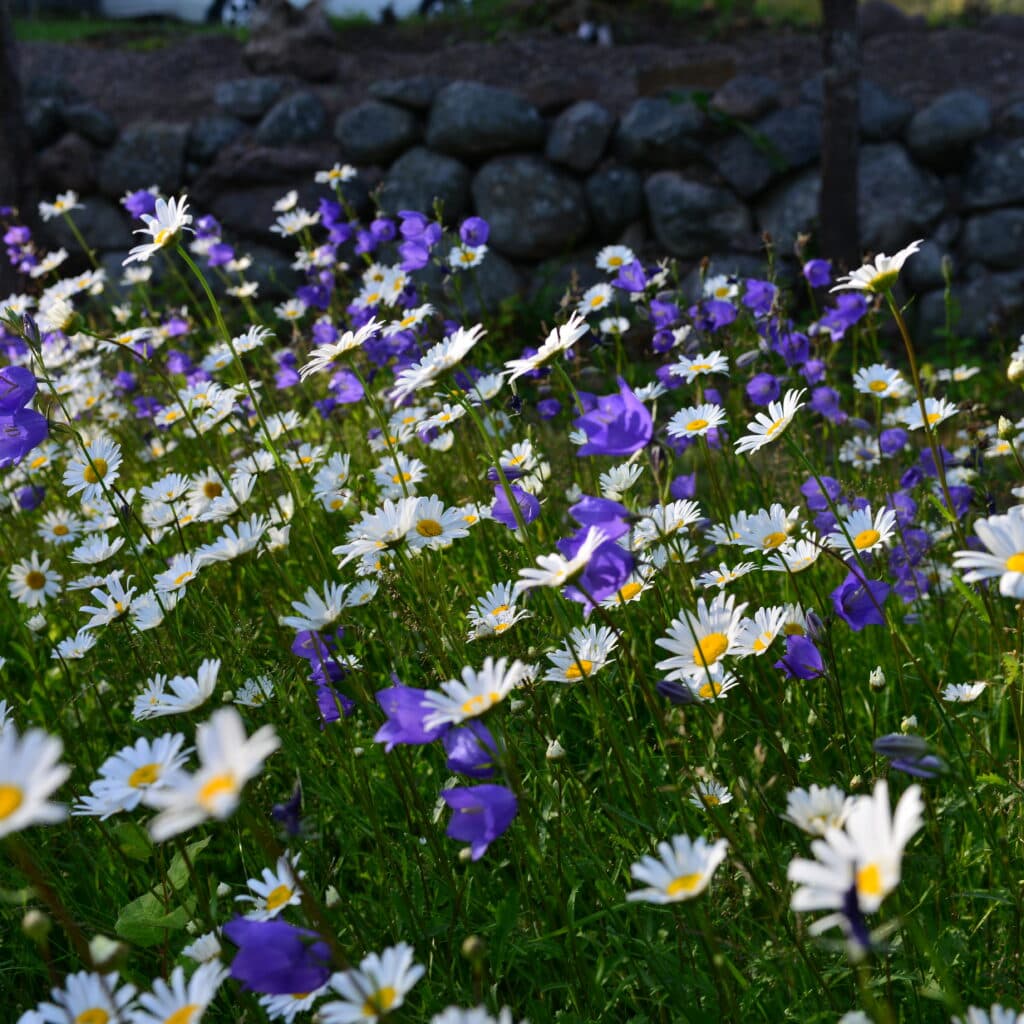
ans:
(691, 175)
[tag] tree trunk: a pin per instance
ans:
(17, 178)
(837, 207)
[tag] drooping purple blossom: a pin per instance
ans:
(277, 958)
(802, 659)
(818, 273)
(501, 510)
(620, 424)
(763, 388)
(406, 713)
(480, 815)
(858, 601)
(471, 750)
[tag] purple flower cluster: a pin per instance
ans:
(21, 428)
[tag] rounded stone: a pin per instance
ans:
(297, 118)
(376, 132)
(533, 209)
(897, 200)
(615, 195)
(207, 136)
(659, 133)
(470, 120)
(579, 135)
(939, 133)
(150, 153)
(691, 219)
(420, 176)
(248, 98)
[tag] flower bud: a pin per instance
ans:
(1005, 429)
(908, 724)
(1015, 371)
(473, 948)
(223, 889)
(106, 953)
(876, 680)
(332, 897)
(555, 751)
(36, 925)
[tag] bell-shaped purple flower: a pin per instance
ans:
(406, 711)
(20, 432)
(471, 750)
(609, 515)
(763, 388)
(818, 273)
(17, 388)
(481, 814)
(802, 659)
(859, 601)
(474, 231)
(501, 510)
(277, 958)
(620, 424)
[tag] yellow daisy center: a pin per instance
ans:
(774, 540)
(696, 424)
(35, 580)
(630, 590)
(683, 884)
(878, 386)
(278, 897)
(578, 671)
(215, 788)
(96, 472)
(793, 629)
(709, 690)
(399, 477)
(1015, 563)
(597, 301)
(380, 1002)
(145, 775)
(163, 236)
(480, 702)
(10, 799)
(866, 539)
(95, 1015)
(934, 417)
(60, 530)
(710, 800)
(38, 462)
(614, 261)
(429, 528)
(700, 367)
(710, 649)
(178, 580)
(467, 257)
(184, 1014)
(500, 608)
(777, 425)
(869, 881)
(501, 627)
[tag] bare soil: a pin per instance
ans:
(175, 81)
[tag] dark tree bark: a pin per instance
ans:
(837, 207)
(17, 178)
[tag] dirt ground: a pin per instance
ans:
(175, 81)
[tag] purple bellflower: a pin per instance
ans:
(481, 814)
(620, 424)
(277, 958)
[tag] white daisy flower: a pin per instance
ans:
(692, 367)
(560, 340)
(555, 570)
(186, 692)
(614, 257)
(32, 582)
(936, 411)
(435, 526)
(204, 949)
(795, 556)
(288, 1007)
(74, 648)
(63, 204)
(585, 653)
(169, 221)
(29, 773)
(682, 871)
(100, 461)
(377, 987)
(964, 693)
(462, 257)
(860, 532)
(723, 575)
(274, 890)
(879, 380)
(89, 997)
(996, 1014)
(696, 420)
(254, 693)
(817, 809)
(178, 1001)
(767, 529)
(757, 634)
(228, 760)
(476, 693)
(879, 276)
(316, 612)
(129, 776)
(595, 298)
(700, 640)
(710, 794)
(768, 427)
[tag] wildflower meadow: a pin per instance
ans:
(606, 656)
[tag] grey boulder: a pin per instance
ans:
(691, 219)
(471, 120)
(419, 176)
(376, 132)
(579, 135)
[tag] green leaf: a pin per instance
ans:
(133, 840)
(177, 873)
(145, 922)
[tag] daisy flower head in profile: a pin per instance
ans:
(89, 997)
(682, 870)
(879, 276)
(336, 175)
(964, 693)
(710, 794)
(477, 692)
(690, 368)
(30, 771)
(768, 427)
(560, 339)
(130, 775)
(178, 1001)
(228, 760)
(863, 858)
(274, 890)
(163, 227)
(584, 654)
(371, 991)
(63, 204)
(696, 420)
(555, 570)
(996, 1014)
(817, 809)
(187, 692)
(879, 380)
(1003, 537)
(595, 298)
(936, 411)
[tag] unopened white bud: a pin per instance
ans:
(1005, 428)
(877, 678)
(555, 751)
(223, 889)
(106, 952)
(1015, 371)
(908, 724)
(332, 897)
